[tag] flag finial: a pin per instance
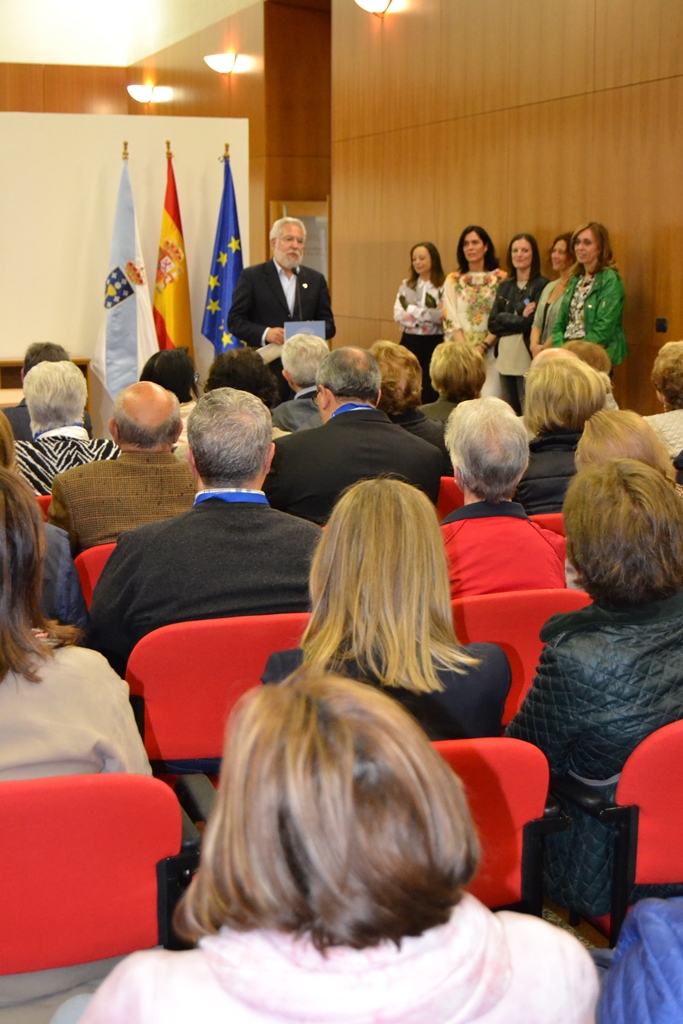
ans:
(169, 154)
(226, 155)
(124, 155)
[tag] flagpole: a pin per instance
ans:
(169, 154)
(124, 155)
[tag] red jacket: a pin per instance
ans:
(493, 548)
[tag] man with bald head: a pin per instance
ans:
(98, 502)
(357, 441)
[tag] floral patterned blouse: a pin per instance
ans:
(575, 325)
(418, 309)
(467, 302)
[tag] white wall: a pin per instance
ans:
(59, 178)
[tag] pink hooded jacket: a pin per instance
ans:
(494, 969)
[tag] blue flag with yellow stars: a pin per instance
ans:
(226, 268)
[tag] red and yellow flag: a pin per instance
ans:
(172, 288)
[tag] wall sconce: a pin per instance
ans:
(150, 93)
(227, 63)
(378, 7)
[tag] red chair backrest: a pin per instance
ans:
(89, 565)
(550, 521)
(78, 867)
(513, 621)
(192, 673)
(506, 784)
(450, 497)
(44, 502)
(652, 779)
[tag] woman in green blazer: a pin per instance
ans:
(594, 300)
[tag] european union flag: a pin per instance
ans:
(225, 269)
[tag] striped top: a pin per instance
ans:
(41, 460)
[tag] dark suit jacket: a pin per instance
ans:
(312, 467)
(258, 301)
(97, 502)
(20, 421)
(215, 561)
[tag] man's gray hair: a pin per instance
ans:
(55, 394)
(301, 356)
(277, 227)
(131, 432)
(350, 373)
(489, 447)
(229, 433)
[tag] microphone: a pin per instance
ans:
(296, 271)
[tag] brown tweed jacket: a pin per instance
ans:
(97, 502)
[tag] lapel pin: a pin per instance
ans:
(304, 285)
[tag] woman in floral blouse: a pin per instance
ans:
(418, 309)
(468, 297)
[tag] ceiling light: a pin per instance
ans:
(151, 93)
(224, 63)
(379, 7)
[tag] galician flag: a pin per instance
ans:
(225, 269)
(172, 287)
(127, 338)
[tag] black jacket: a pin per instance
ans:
(311, 468)
(508, 307)
(551, 467)
(258, 302)
(415, 422)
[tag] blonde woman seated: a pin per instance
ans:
(667, 377)
(458, 373)
(596, 356)
(382, 614)
(622, 434)
(63, 711)
(331, 888)
(562, 393)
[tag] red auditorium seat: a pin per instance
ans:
(190, 675)
(550, 521)
(450, 497)
(78, 868)
(44, 502)
(89, 565)
(506, 784)
(647, 815)
(513, 621)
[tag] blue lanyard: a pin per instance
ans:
(233, 496)
(349, 407)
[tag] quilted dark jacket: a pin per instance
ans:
(607, 678)
(551, 466)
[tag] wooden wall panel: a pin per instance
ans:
(547, 115)
(21, 88)
(63, 89)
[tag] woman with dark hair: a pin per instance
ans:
(469, 294)
(173, 369)
(594, 300)
(418, 307)
(512, 316)
(562, 261)
(612, 673)
(244, 370)
(331, 887)
(63, 711)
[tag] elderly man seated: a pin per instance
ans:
(302, 354)
(491, 544)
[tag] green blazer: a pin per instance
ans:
(602, 314)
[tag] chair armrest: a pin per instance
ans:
(191, 836)
(196, 795)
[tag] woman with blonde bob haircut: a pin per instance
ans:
(381, 613)
(562, 393)
(458, 373)
(331, 882)
(622, 434)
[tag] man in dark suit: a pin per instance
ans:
(268, 294)
(311, 468)
(18, 415)
(230, 554)
(97, 502)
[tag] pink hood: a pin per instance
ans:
(449, 975)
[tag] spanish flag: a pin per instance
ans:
(172, 288)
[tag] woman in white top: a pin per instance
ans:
(562, 261)
(418, 309)
(63, 711)
(469, 293)
(512, 317)
(667, 377)
(331, 883)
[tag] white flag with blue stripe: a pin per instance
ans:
(127, 336)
